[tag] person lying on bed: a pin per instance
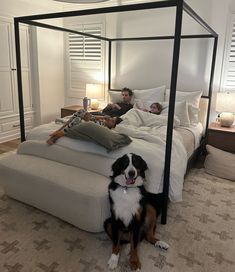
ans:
(155, 108)
(119, 108)
(77, 118)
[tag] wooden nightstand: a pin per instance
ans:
(222, 137)
(69, 110)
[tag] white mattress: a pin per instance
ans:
(92, 157)
(191, 137)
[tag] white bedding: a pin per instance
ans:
(148, 134)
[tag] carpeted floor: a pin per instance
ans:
(200, 231)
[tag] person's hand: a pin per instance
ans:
(87, 116)
(116, 106)
(109, 106)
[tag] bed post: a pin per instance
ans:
(19, 79)
(211, 84)
(109, 65)
(174, 74)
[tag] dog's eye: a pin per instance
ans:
(135, 162)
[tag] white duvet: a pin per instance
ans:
(148, 134)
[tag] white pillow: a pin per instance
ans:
(154, 94)
(193, 114)
(143, 104)
(115, 96)
(190, 97)
(181, 111)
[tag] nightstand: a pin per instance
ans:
(222, 137)
(69, 110)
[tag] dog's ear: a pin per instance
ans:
(118, 166)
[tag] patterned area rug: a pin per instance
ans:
(200, 231)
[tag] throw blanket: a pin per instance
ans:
(148, 141)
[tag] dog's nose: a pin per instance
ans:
(131, 173)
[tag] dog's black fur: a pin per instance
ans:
(130, 211)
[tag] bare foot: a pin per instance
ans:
(55, 137)
(52, 140)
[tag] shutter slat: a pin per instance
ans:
(85, 47)
(229, 79)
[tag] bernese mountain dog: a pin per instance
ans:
(131, 214)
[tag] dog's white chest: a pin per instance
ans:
(126, 203)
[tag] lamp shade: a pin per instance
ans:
(94, 92)
(225, 102)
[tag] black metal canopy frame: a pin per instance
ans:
(180, 6)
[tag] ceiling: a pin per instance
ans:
(81, 1)
(86, 4)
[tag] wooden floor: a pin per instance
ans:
(9, 146)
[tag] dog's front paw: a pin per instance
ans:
(162, 245)
(113, 261)
(135, 264)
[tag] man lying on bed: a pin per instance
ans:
(68, 129)
(119, 108)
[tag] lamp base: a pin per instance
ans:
(94, 104)
(226, 119)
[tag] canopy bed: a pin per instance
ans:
(162, 197)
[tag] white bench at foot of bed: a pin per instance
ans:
(75, 195)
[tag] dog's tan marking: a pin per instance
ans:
(138, 214)
(134, 259)
(151, 220)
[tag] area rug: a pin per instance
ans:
(200, 231)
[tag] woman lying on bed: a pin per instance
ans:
(155, 108)
(81, 116)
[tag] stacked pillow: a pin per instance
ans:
(115, 96)
(149, 96)
(186, 106)
(192, 100)
(145, 96)
(181, 111)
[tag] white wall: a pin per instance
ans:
(135, 67)
(217, 16)
(47, 48)
(148, 64)
(145, 65)
(51, 73)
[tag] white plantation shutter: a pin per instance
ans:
(85, 58)
(229, 61)
(83, 47)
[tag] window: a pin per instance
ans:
(84, 59)
(83, 47)
(228, 78)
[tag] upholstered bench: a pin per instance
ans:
(220, 163)
(75, 195)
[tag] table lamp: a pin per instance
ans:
(94, 92)
(225, 106)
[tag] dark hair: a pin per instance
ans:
(118, 120)
(127, 90)
(159, 106)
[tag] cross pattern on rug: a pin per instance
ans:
(200, 231)
(13, 268)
